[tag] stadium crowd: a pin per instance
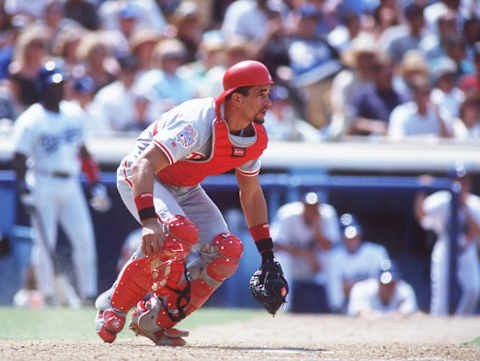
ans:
(373, 67)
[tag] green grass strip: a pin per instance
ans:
(78, 324)
(474, 342)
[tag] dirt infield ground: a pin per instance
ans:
(285, 337)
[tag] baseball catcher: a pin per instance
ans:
(187, 250)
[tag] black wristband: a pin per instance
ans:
(146, 213)
(265, 247)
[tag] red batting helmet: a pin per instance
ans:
(245, 73)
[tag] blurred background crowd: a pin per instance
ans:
(391, 68)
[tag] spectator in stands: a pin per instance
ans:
(141, 44)
(446, 96)
(455, 49)
(372, 106)
(273, 50)
(66, 45)
(471, 34)
(360, 59)
(348, 28)
(164, 85)
(470, 83)
(53, 18)
(314, 63)
(305, 232)
(236, 49)
(283, 121)
(10, 29)
(420, 117)
(399, 39)
(29, 54)
(384, 16)
(186, 19)
(84, 12)
(385, 295)
(149, 15)
(435, 11)
(95, 54)
(434, 46)
(116, 102)
(412, 64)
(82, 92)
(127, 20)
(467, 125)
(30, 9)
(209, 56)
(355, 260)
(433, 213)
(246, 19)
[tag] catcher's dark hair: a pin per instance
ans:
(242, 90)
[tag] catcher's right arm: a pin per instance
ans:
(269, 286)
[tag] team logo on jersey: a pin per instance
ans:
(238, 151)
(195, 156)
(186, 137)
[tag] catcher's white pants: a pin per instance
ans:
(62, 200)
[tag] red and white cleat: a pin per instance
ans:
(108, 323)
(144, 324)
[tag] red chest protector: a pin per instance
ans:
(225, 156)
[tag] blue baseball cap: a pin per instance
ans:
(389, 272)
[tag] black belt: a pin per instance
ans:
(60, 174)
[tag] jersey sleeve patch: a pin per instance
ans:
(187, 137)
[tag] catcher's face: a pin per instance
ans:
(256, 104)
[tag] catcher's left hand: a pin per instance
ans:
(269, 286)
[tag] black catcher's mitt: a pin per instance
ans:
(268, 286)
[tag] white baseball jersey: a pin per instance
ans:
(290, 229)
(51, 142)
(185, 133)
(364, 296)
(437, 213)
(356, 266)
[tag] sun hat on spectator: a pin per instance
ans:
(169, 49)
(142, 36)
(413, 62)
(363, 43)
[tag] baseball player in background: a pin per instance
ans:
(49, 142)
(160, 185)
(305, 232)
(385, 295)
(354, 261)
(433, 213)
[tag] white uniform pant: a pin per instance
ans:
(468, 277)
(192, 202)
(62, 200)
